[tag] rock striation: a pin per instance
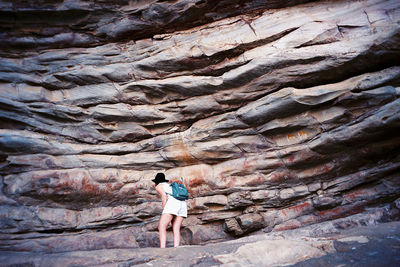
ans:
(277, 116)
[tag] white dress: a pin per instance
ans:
(173, 205)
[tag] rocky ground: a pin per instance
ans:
(342, 242)
(381, 247)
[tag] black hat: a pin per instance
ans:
(160, 178)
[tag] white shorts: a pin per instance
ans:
(175, 207)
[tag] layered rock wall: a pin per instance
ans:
(277, 116)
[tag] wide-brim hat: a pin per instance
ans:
(160, 178)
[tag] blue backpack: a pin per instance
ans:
(179, 191)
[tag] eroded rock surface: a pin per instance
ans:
(277, 116)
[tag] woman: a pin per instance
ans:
(173, 210)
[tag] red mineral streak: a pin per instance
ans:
(247, 164)
(361, 194)
(134, 191)
(232, 182)
(258, 180)
(339, 212)
(118, 210)
(291, 158)
(292, 224)
(300, 207)
(194, 182)
(89, 188)
(326, 168)
(110, 187)
(276, 177)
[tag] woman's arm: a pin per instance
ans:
(161, 192)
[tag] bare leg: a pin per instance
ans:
(165, 219)
(176, 228)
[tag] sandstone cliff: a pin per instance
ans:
(277, 116)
